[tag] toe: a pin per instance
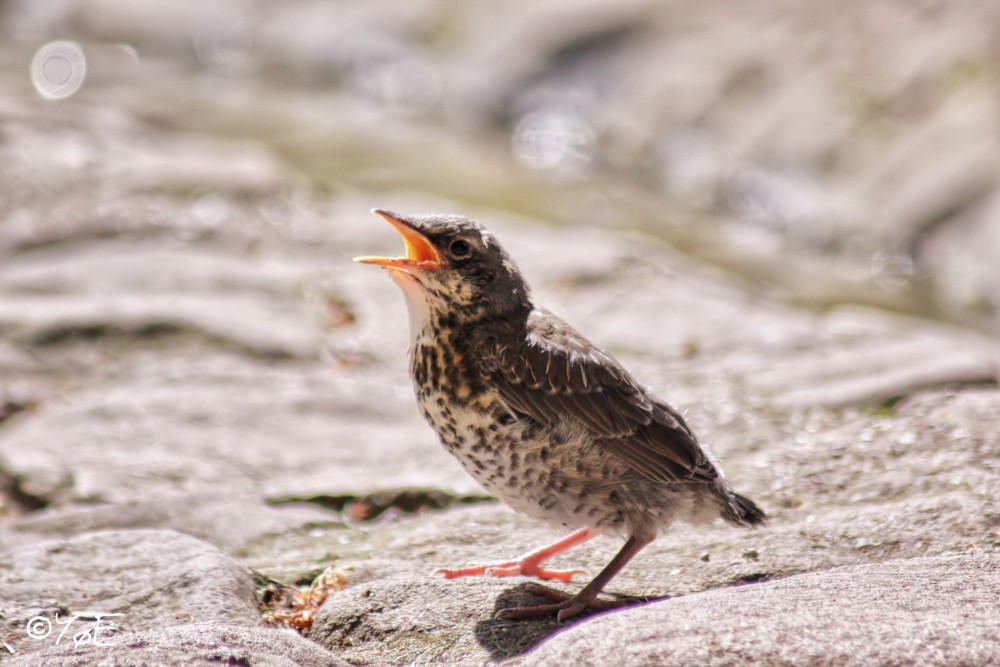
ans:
(458, 572)
(571, 610)
(565, 576)
(518, 613)
(471, 570)
(548, 593)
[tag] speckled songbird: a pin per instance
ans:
(541, 417)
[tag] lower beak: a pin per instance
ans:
(420, 252)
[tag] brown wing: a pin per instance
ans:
(554, 375)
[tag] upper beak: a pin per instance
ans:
(419, 251)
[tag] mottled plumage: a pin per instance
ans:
(541, 417)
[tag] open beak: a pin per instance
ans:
(420, 253)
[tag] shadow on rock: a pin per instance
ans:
(504, 638)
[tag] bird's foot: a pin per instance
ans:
(529, 564)
(527, 567)
(566, 605)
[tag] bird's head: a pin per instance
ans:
(455, 266)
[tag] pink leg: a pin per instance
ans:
(529, 563)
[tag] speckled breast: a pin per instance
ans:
(536, 471)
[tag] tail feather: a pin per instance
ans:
(742, 511)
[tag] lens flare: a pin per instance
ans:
(58, 69)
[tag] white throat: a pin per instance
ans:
(416, 305)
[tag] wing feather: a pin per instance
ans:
(556, 377)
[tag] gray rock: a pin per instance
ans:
(869, 358)
(928, 611)
(230, 523)
(151, 578)
(426, 621)
(116, 291)
(184, 645)
(960, 255)
(202, 425)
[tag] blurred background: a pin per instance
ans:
(782, 215)
(836, 152)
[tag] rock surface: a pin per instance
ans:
(229, 522)
(937, 611)
(196, 645)
(142, 579)
(203, 401)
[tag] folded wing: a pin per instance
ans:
(554, 376)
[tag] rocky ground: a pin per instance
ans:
(203, 402)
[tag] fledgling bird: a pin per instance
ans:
(541, 417)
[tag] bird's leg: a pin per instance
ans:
(528, 564)
(566, 605)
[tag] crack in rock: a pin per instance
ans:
(371, 506)
(12, 489)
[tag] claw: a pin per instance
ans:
(566, 606)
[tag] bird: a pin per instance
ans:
(543, 419)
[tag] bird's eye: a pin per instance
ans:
(460, 249)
